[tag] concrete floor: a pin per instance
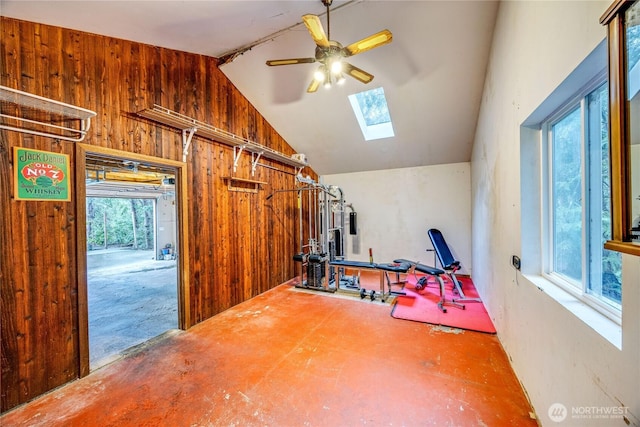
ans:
(132, 298)
(292, 358)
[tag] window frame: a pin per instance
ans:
(578, 289)
(619, 130)
(373, 132)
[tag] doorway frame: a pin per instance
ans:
(184, 299)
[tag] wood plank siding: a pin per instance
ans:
(239, 243)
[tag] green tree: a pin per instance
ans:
(120, 222)
(567, 196)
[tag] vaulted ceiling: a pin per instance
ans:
(432, 73)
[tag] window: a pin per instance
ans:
(372, 113)
(623, 35)
(578, 203)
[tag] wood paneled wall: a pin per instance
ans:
(240, 244)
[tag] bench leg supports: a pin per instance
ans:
(458, 288)
(443, 300)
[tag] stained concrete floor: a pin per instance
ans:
(287, 358)
(132, 298)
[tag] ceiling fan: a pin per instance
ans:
(330, 54)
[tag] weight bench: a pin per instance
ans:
(383, 268)
(448, 262)
(433, 272)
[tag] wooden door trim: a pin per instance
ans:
(184, 300)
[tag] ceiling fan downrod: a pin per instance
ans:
(327, 3)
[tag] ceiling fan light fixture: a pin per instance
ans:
(319, 75)
(336, 67)
(331, 54)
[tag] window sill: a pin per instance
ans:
(607, 328)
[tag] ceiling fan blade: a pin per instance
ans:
(315, 84)
(357, 73)
(373, 41)
(314, 26)
(276, 62)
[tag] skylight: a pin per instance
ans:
(372, 113)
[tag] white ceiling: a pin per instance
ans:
(432, 73)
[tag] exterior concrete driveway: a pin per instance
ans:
(132, 298)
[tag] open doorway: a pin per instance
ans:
(131, 254)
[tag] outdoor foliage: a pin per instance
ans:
(569, 244)
(611, 261)
(373, 105)
(567, 196)
(124, 222)
(633, 40)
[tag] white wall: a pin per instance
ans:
(166, 222)
(396, 207)
(557, 357)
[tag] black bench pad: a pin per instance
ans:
(395, 267)
(429, 270)
(354, 264)
(401, 260)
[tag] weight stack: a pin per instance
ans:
(314, 274)
(353, 223)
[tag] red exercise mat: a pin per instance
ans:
(422, 306)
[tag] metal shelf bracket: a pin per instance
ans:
(254, 161)
(187, 134)
(237, 151)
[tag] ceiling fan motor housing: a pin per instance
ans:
(335, 50)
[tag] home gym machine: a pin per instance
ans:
(324, 209)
